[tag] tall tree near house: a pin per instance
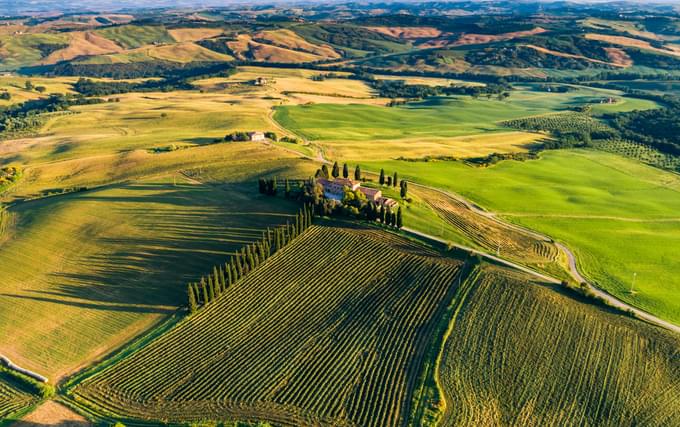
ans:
(394, 180)
(324, 171)
(400, 219)
(193, 306)
(382, 214)
(357, 173)
(345, 171)
(389, 181)
(382, 177)
(404, 189)
(388, 217)
(336, 170)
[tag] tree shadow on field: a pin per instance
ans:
(60, 424)
(175, 234)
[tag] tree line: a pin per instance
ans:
(209, 287)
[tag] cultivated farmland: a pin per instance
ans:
(523, 354)
(332, 330)
(13, 396)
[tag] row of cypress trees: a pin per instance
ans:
(211, 286)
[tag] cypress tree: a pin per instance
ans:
(336, 170)
(388, 217)
(394, 180)
(357, 173)
(234, 273)
(192, 299)
(204, 289)
(216, 280)
(211, 288)
(324, 171)
(345, 171)
(400, 220)
(287, 188)
(197, 293)
(382, 214)
(223, 280)
(404, 189)
(228, 279)
(239, 265)
(382, 176)
(389, 181)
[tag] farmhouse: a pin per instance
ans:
(256, 136)
(335, 190)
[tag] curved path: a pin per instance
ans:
(573, 268)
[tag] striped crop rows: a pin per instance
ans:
(331, 330)
(523, 354)
(12, 397)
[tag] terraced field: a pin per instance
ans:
(332, 330)
(553, 361)
(492, 236)
(13, 397)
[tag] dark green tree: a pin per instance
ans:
(382, 177)
(400, 220)
(345, 171)
(193, 306)
(324, 171)
(357, 173)
(336, 170)
(404, 189)
(382, 214)
(211, 289)
(389, 181)
(394, 180)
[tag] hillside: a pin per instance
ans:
(332, 330)
(525, 354)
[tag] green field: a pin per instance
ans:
(114, 261)
(332, 330)
(444, 117)
(134, 36)
(524, 354)
(620, 217)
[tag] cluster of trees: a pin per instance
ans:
(211, 286)
(5, 96)
(335, 173)
(240, 136)
(400, 89)
(9, 175)
(269, 186)
(392, 181)
(26, 116)
(658, 128)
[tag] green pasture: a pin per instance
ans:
(619, 216)
(437, 117)
(134, 36)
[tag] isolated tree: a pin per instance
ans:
(404, 189)
(382, 177)
(28, 85)
(192, 299)
(394, 180)
(41, 89)
(400, 220)
(345, 171)
(389, 181)
(336, 170)
(357, 173)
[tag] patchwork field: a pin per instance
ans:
(620, 217)
(330, 331)
(524, 354)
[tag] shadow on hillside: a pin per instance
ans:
(59, 424)
(158, 238)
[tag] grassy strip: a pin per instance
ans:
(429, 401)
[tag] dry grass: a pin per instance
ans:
(468, 39)
(54, 414)
(408, 33)
(246, 47)
(194, 34)
(289, 40)
(631, 42)
(429, 81)
(84, 43)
